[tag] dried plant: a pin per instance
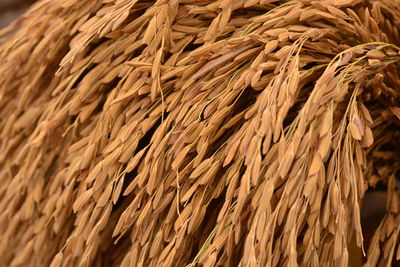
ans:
(198, 132)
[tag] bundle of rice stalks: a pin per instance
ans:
(198, 132)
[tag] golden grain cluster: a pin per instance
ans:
(198, 132)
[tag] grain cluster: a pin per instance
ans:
(198, 132)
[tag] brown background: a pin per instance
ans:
(12, 9)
